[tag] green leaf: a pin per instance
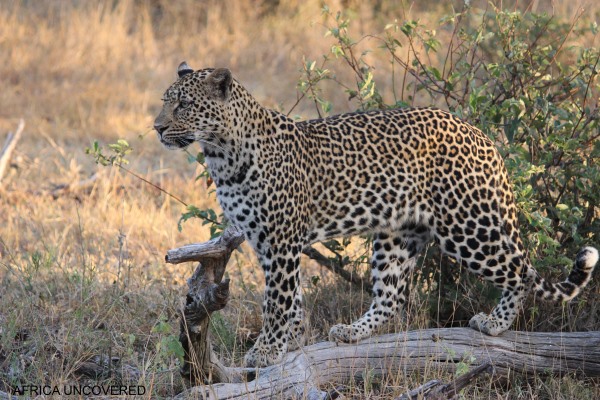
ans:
(408, 27)
(174, 347)
(436, 73)
(162, 327)
(337, 51)
(432, 44)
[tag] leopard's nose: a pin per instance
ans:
(160, 129)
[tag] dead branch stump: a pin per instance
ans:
(207, 293)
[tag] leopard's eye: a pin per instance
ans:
(185, 103)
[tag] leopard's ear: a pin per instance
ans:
(184, 69)
(220, 81)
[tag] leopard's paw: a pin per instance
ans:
(296, 337)
(347, 333)
(264, 354)
(485, 323)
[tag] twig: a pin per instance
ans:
(152, 184)
(421, 391)
(437, 390)
(214, 248)
(337, 268)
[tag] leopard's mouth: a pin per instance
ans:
(176, 143)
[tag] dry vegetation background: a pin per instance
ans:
(81, 271)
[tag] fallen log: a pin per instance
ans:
(103, 367)
(79, 186)
(302, 372)
(522, 353)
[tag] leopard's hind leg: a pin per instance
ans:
(490, 252)
(394, 257)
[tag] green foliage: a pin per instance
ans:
(343, 50)
(168, 344)
(535, 95)
(521, 78)
(464, 365)
(224, 333)
(309, 85)
(117, 158)
(207, 216)
(524, 79)
(119, 151)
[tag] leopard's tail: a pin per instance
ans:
(579, 277)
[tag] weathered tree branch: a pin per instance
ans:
(9, 147)
(215, 248)
(83, 185)
(104, 367)
(192, 252)
(303, 371)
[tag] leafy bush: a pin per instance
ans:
(525, 80)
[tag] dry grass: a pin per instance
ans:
(82, 273)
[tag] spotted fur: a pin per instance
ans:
(408, 176)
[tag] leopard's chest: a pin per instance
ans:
(241, 206)
(237, 204)
(234, 185)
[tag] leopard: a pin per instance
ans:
(407, 177)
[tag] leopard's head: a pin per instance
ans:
(194, 107)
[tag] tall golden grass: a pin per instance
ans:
(82, 271)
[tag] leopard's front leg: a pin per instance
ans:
(282, 311)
